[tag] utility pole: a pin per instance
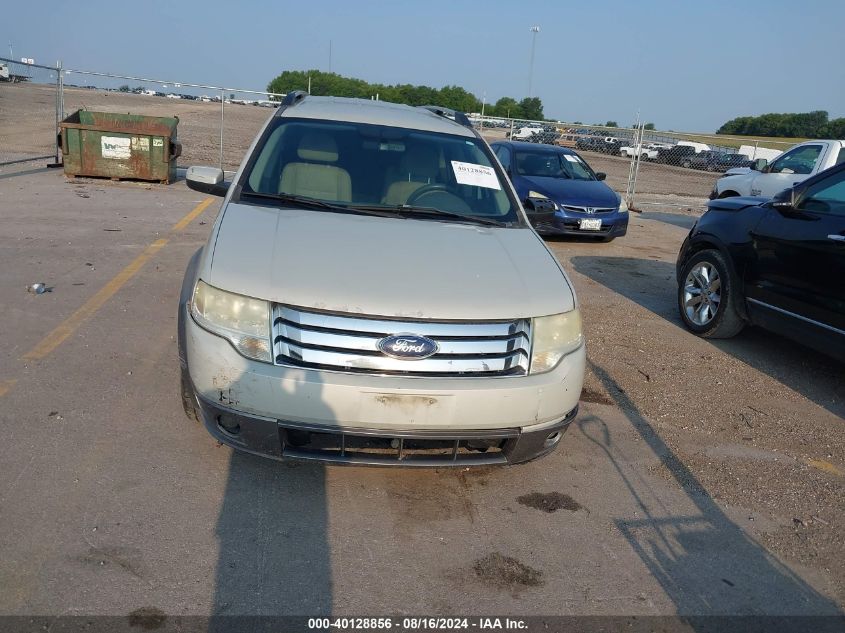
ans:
(534, 30)
(330, 56)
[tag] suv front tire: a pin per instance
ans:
(708, 296)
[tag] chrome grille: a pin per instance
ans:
(349, 343)
(583, 210)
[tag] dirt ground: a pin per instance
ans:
(31, 107)
(701, 476)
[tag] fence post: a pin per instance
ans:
(59, 113)
(222, 107)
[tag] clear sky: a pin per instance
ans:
(685, 65)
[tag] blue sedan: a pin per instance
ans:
(561, 194)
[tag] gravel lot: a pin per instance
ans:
(700, 478)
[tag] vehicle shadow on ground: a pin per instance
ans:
(272, 531)
(651, 284)
(675, 219)
(704, 562)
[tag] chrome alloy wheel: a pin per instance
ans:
(702, 293)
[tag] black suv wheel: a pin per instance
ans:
(707, 296)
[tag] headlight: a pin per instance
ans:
(553, 338)
(539, 196)
(623, 206)
(244, 321)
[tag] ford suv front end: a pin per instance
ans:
(372, 293)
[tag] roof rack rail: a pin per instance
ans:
(294, 97)
(456, 115)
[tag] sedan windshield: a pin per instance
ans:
(378, 170)
(553, 165)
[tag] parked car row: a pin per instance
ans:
(324, 382)
(535, 134)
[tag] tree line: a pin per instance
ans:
(791, 125)
(455, 97)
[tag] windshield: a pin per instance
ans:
(552, 165)
(360, 166)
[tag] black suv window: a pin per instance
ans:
(825, 196)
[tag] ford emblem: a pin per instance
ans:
(407, 346)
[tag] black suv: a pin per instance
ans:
(675, 155)
(779, 264)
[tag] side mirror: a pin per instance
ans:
(784, 201)
(601, 175)
(759, 164)
(207, 180)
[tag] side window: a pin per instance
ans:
(801, 160)
(841, 158)
(504, 156)
(826, 196)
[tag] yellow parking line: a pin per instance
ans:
(90, 307)
(5, 385)
(181, 224)
(825, 466)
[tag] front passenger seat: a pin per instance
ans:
(314, 176)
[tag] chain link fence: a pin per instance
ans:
(216, 124)
(30, 100)
(649, 168)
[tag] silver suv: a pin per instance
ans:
(372, 293)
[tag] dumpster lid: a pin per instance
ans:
(126, 123)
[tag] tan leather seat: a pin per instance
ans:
(419, 166)
(314, 176)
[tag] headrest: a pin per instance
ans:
(317, 146)
(420, 161)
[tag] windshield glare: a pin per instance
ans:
(553, 165)
(356, 164)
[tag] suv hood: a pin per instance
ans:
(736, 203)
(386, 266)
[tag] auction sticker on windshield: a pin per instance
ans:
(477, 175)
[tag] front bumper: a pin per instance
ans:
(284, 439)
(612, 224)
(431, 421)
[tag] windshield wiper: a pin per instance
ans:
(313, 203)
(403, 209)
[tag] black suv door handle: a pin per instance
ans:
(836, 238)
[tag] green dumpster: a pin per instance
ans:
(120, 146)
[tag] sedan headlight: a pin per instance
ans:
(623, 206)
(535, 195)
(553, 338)
(244, 321)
